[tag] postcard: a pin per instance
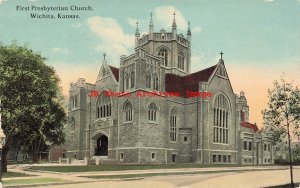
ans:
(165, 93)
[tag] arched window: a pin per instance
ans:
(163, 52)
(180, 61)
(74, 101)
(152, 109)
(132, 79)
(155, 81)
(173, 125)
(242, 116)
(103, 106)
(72, 124)
(126, 84)
(221, 119)
(128, 111)
(148, 79)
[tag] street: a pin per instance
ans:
(211, 179)
(205, 177)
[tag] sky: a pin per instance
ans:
(260, 38)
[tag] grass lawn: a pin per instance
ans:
(14, 174)
(124, 176)
(93, 168)
(32, 181)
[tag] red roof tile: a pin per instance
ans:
(175, 83)
(115, 72)
(250, 126)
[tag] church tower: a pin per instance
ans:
(173, 49)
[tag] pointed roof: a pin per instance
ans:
(175, 83)
(115, 72)
(111, 70)
(250, 126)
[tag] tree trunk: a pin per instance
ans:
(16, 156)
(34, 153)
(290, 158)
(35, 157)
(35, 150)
(5, 150)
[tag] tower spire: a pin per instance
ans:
(104, 56)
(174, 21)
(137, 32)
(151, 25)
(189, 33)
(174, 30)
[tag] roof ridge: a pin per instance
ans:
(193, 72)
(249, 125)
(204, 69)
(188, 82)
(115, 72)
(113, 67)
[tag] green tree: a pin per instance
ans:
(282, 116)
(31, 110)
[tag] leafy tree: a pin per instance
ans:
(282, 116)
(31, 101)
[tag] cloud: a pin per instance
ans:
(1, 1)
(114, 42)
(132, 21)
(110, 31)
(113, 51)
(268, 1)
(164, 17)
(196, 29)
(77, 25)
(197, 60)
(143, 28)
(64, 51)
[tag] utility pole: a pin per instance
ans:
(287, 111)
(2, 142)
(89, 137)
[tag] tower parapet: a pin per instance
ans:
(172, 48)
(163, 36)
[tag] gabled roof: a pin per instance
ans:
(181, 84)
(115, 72)
(250, 126)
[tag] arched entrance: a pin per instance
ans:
(101, 148)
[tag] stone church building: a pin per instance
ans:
(110, 121)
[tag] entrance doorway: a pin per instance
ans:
(173, 158)
(102, 146)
